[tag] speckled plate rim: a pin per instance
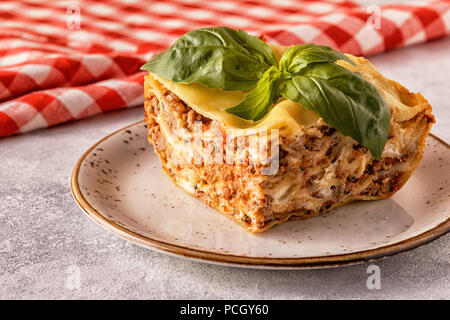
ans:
(243, 261)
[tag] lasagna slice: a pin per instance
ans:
(318, 168)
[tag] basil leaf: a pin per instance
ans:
(345, 101)
(218, 57)
(224, 58)
(258, 101)
(298, 57)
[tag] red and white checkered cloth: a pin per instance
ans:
(67, 60)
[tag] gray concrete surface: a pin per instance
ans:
(46, 242)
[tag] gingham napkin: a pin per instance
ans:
(61, 61)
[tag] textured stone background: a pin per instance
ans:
(44, 235)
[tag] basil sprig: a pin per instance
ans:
(224, 58)
(258, 101)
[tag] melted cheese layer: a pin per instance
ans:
(286, 115)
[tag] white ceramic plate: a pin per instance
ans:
(119, 183)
